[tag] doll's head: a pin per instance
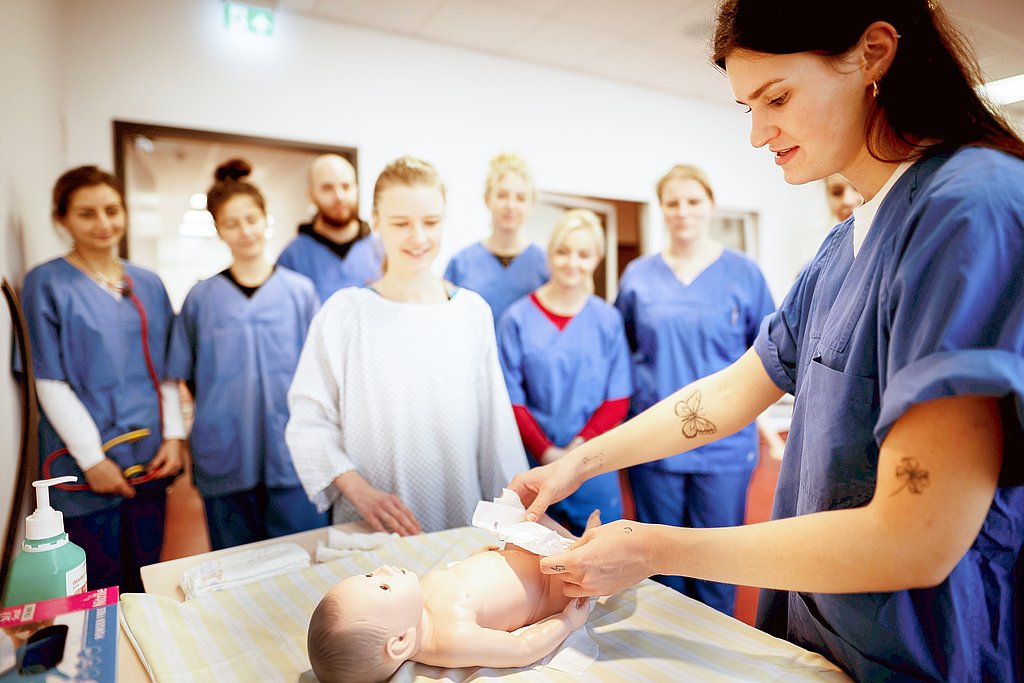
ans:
(366, 626)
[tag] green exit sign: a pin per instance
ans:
(248, 19)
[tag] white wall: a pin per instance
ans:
(71, 67)
(174, 64)
(31, 157)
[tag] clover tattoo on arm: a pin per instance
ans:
(694, 421)
(913, 477)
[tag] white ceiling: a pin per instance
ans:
(660, 44)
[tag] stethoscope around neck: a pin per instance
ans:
(136, 474)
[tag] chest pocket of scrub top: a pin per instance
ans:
(98, 361)
(840, 458)
(229, 344)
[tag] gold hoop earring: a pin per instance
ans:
(874, 89)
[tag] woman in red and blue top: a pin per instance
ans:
(566, 363)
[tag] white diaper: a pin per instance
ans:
(506, 519)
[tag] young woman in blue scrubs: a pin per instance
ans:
(236, 344)
(505, 266)
(564, 356)
(895, 543)
(99, 328)
(689, 311)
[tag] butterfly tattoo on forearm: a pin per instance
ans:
(694, 422)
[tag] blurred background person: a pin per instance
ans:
(566, 364)
(236, 344)
(689, 311)
(336, 249)
(399, 412)
(842, 196)
(505, 266)
(99, 328)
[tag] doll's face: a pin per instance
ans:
(389, 596)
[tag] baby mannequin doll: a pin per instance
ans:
(367, 626)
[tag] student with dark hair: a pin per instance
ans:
(895, 543)
(99, 328)
(236, 344)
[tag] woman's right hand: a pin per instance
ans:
(543, 486)
(383, 511)
(106, 477)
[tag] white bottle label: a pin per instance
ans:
(76, 581)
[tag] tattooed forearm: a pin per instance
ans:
(694, 421)
(593, 460)
(913, 477)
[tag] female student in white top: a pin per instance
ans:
(399, 412)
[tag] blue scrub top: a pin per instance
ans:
(478, 269)
(932, 306)
(82, 335)
(241, 353)
(563, 377)
(361, 266)
(679, 333)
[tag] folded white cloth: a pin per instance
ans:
(506, 519)
(576, 653)
(238, 569)
(340, 543)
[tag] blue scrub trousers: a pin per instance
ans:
(693, 500)
(258, 514)
(119, 540)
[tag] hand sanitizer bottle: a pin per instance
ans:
(49, 565)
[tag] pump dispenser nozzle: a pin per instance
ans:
(45, 522)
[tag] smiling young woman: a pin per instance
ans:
(399, 413)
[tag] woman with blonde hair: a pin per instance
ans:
(505, 266)
(566, 364)
(399, 413)
(690, 311)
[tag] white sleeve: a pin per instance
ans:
(174, 423)
(501, 455)
(314, 431)
(71, 420)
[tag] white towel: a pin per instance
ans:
(340, 543)
(238, 569)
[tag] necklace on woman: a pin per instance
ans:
(78, 259)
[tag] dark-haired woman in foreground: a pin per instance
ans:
(99, 328)
(895, 544)
(236, 343)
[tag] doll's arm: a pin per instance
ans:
(471, 645)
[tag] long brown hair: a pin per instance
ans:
(930, 92)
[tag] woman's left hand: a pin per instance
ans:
(168, 460)
(607, 559)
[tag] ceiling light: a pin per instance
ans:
(1005, 90)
